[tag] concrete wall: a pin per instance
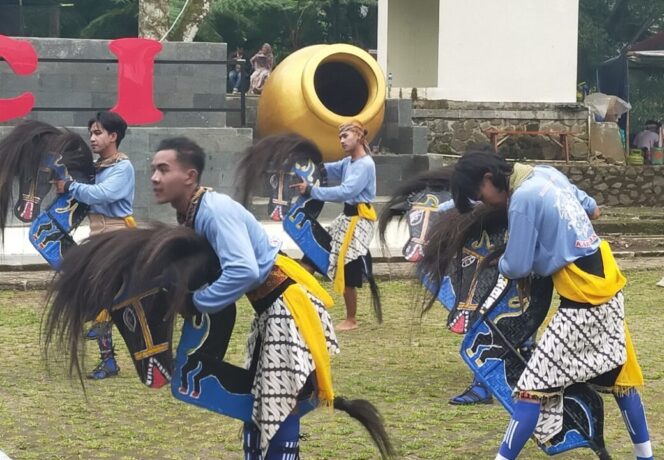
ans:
(222, 145)
(192, 84)
(71, 83)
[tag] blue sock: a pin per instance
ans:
(520, 429)
(634, 416)
(285, 444)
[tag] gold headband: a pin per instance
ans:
(353, 125)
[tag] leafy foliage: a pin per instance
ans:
(609, 27)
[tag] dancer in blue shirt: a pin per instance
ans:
(290, 305)
(111, 200)
(352, 231)
(587, 340)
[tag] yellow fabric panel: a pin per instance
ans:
(308, 323)
(366, 211)
(130, 222)
(340, 276)
(294, 271)
(574, 284)
(630, 374)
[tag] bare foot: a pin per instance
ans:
(346, 325)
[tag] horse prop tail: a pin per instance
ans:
(375, 297)
(367, 414)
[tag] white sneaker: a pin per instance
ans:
(661, 283)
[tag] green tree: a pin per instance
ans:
(291, 24)
(608, 27)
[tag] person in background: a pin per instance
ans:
(648, 139)
(262, 63)
(238, 75)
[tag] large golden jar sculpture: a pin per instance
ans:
(317, 88)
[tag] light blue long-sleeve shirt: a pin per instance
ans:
(358, 181)
(548, 225)
(245, 252)
(112, 194)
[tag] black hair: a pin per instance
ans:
(470, 170)
(188, 152)
(652, 122)
(111, 122)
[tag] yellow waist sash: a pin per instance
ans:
(308, 321)
(366, 211)
(575, 284)
(579, 286)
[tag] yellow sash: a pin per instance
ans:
(366, 211)
(308, 321)
(630, 375)
(574, 284)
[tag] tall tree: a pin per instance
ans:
(189, 20)
(153, 20)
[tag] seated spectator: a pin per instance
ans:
(239, 75)
(235, 78)
(262, 62)
(648, 139)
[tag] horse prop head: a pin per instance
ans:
(284, 160)
(416, 200)
(36, 154)
(142, 319)
(281, 191)
(422, 208)
(144, 279)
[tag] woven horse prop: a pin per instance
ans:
(145, 277)
(458, 268)
(284, 160)
(36, 154)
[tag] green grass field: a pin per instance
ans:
(407, 367)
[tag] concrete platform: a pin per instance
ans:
(18, 254)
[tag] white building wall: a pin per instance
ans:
(508, 50)
(486, 50)
(408, 41)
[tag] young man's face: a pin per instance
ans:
(171, 180)
(349, 140)
(101, 141)
(489, 194)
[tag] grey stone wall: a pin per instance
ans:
(453, 126)
(68, 85)
(234, 118)
(612, 185)
(619, 185)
